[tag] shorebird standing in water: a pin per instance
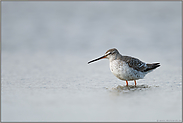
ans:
(125, 67)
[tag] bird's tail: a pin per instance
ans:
(151, 67)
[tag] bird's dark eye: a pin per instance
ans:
(113, 52)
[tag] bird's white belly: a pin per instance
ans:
(122, 71)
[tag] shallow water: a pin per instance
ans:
(46, 47)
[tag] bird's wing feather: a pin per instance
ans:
(135, 63)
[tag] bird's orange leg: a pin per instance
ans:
(126, 83)
(135, 82)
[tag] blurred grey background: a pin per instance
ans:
(90, 27)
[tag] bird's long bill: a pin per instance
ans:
(97, 59)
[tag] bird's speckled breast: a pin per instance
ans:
(122, 71)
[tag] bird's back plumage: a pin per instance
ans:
(138, 65)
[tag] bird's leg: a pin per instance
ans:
(135, 82)
(126, 83)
